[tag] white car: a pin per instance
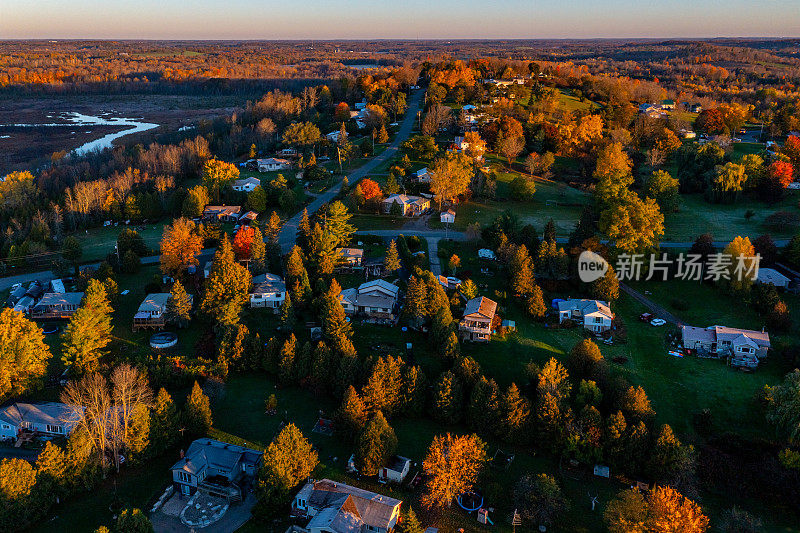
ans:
(658, 322)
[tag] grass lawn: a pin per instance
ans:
(572, 104)
(98, 242)
(364, 221)
(726, 221)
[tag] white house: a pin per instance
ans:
(269, 290)
(334, 507)
(770, 275)
(476, 324)
(595, 315)
(396, 471)
(152, 311)
(48, 419)
(288, 152)
(216, 468)
(350, 258)
(272, 164)
(409, 205)
(57, 305)
(333, 136)
(447, 217)
(246, 184)
(745, 347)
(460, 143)
(485, 253)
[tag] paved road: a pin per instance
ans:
(289, 231)
(433, 255)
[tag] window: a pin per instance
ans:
(53, 429)
(598, 320)
(6, 426)
(183, 476)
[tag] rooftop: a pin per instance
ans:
(481, 306)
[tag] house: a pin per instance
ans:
(350, 258)
(248, 218)
(288, 152)
(216, 468)
(246, 184)
(269, 290)
(696, 108)
(375, 268)
(476, 324)
(396, 471)
(410, 205)
(338, 508)
(449, 283)
(333, 136)
(57, 305)
(743, 347)
(56, 285)
(272, 164)
(447, 217)
(48, 419)
(222, 213)
(460, 143)
(376, 300)
(770, 275)
(668, 104)
(595, 315)
(422, 175)
(152, 311)
(207, 268)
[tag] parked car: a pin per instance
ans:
(646, 317)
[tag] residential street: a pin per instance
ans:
(289, 231)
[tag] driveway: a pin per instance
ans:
(167, 519)
(654, 308)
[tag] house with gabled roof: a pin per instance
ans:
(268, 290)
(49, 419)
(216, 468)
(476, 324)
(271, 164)
(334, 507)
(409, 205)
(223, 213)
(57, 305)
(246, 184)
(350, 259)
(595, 315)
(743, 347)
(376, 300)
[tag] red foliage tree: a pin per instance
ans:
(791, 149)
(242, 242)
(710, 121)
(342, 112)
(780, 174)
(370, 188)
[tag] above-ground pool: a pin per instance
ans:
(165, 339)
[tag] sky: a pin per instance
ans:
(396, 19)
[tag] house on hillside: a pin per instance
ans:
(350, 259)
(57, 305)
(333, 136)
(742, 347)
(396, 471)
(268, 290)
(246, 184)
(770, 275)
(216, 468)
(409, 205)
(422, 175)
(222, 213)
(272, 164)
(333, 507)
(476, 324)
(596, 316)
(376, 300)
(49, 419)
(668, 104)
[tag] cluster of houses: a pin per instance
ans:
(228, 213)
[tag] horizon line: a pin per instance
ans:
(411, 39)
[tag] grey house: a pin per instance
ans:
(217, 468)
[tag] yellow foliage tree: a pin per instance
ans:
(453, 463)
(180, 246)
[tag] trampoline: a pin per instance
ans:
(470, 501)
(49, 329)
(163, 340)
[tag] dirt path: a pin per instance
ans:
(654, 308)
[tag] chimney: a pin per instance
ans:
(181, 453)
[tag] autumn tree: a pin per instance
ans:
(180, 246)
(217, 175)
(352, 414)
(626, 513)
(197, 412)
(392, 260)
(521, 272)
(450, 177)
(539, 499)
(23, 354)
(635, 225)
(606, 288)
(669, 511)
(335, 326)
(375, 446)
(783, 406)
(370, 189)
(663, 188)
(585, 360)
(227, 286)
(88, 331)
(242, 243)
(453, 464)
(133, 521)
(195, 202)
(510, 146)
(91, 410)
(743, 264)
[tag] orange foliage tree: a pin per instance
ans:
(242, 242)
(780, 174)
(453, 463)
(672, 512)
(370, 188)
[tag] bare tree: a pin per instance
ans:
(91, 409)
(130, 391)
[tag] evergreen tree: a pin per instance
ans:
(549, 234)
(133, 521)
(288, 319)
(337, 223)
(383, 135)
(447, 398)
(323, 366)
(585, 360)
(297, 277)
(416, 300)
(51, 472)
(335, 327)
(286, 362)
(391, 187)
(197, 412)
(382, 391)
(515, 412)
(303, 231)
(413, 390)
(163, 422)
(376, 444)
(302, 362)
(667, 455)
(89, 330)
(352, 415)
(535, 305)
(392, 259)
(258, 252)
(322, 253)
(179, 306)
(606, 288)
(227, 287)
(483, 412)
(410, 523)
(522, 279)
